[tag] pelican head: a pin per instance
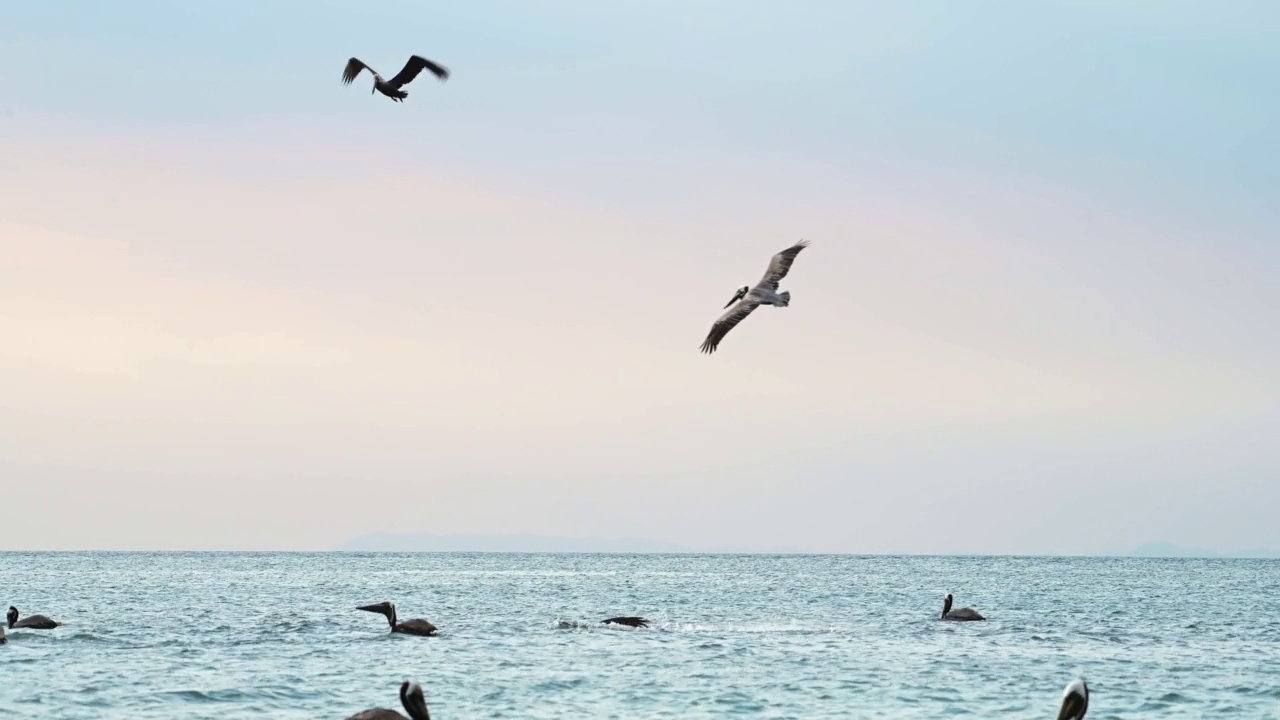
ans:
(742, 292)
(12, 615)
(946, 605)
(1075, 701)
(387, 609)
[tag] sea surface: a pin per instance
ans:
(256, 635)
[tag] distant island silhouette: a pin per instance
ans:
(533, 543)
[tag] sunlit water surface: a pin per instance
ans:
(276, 635)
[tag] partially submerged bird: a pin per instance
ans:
(749, 298)
(391, 88)
(3, 639)
(1075, 701)
(410, 697)
(408, 627)
(34, 622)
(959, 614)
(629, 621)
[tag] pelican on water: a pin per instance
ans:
(34, 622)
(958, 614)
(749, 298)
(1075, 701)
(408, 627)
(410, 697)
(629, 621)
(391, 88)
(3, 639)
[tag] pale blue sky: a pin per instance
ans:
(1042, 286)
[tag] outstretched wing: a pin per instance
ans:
(727, 322)
(354, 66)
(413, 67)
(780, 264)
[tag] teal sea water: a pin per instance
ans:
(255, 635)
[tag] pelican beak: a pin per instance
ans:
(736, 297)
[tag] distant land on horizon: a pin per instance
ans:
(524, 543)
(533, 543)
(1170, 550)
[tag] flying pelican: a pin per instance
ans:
(34, 622)
(958, 614)
(391, 88)
(410, 697)
(408, 627)
(1075, 701)
(749, 298)
(631, 621)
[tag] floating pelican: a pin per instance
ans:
(629, 621)
(749, 298)
(391, 88)
(408, 627)
(1075, 701)
(34, 622)
(960, 614)
(412, 700)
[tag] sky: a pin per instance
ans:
(243, 306)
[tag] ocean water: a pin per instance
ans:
(254, 635)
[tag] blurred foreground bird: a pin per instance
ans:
(391, 88)
(1075, 701)
(410, 697)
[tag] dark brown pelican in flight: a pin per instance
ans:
(34, 622)
(749, 298)
(391, 88)
(410, 697)
(629, 621)
(1075, 701)
(959, 614)
(408, 627)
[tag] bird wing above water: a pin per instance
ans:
(354, 66)
(630, 621)
(727, 322)
(37, 622)
(411, 69)
(377, 714)
(416, 627)
(780, 265)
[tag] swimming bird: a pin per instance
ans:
(410, 697)
(3, 639)
(629, 621)
(960, 614)
(749, 298)
(1075, 701)
(34, 622)
(408, 627)
(391, 88)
